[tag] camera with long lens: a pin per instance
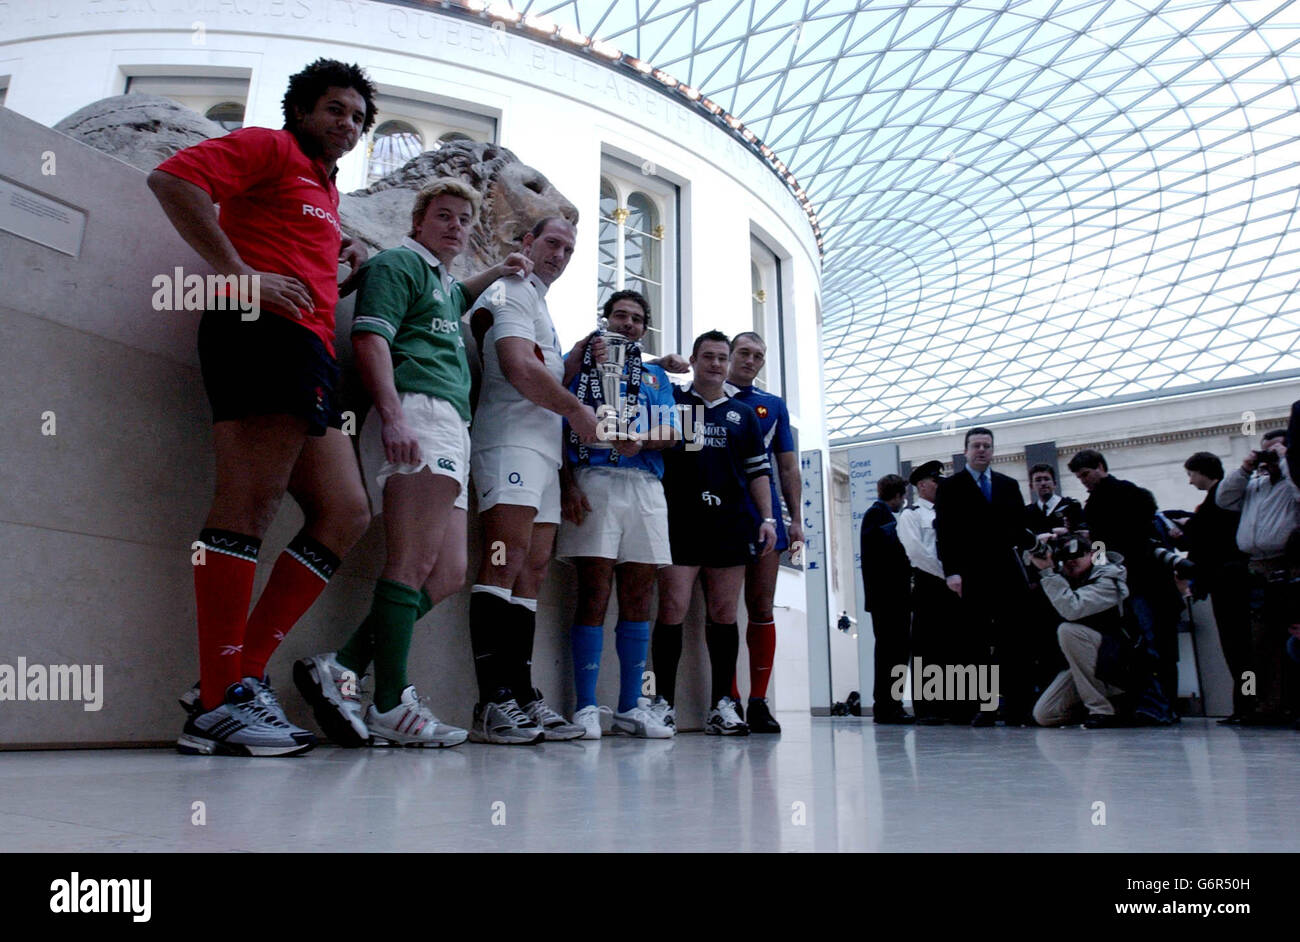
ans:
(1062, 547)
(1177, 564)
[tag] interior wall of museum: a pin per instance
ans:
(105, 510)
(1144, 442)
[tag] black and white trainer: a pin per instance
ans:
(555, 726)
(761, 719)
(502, 723)
(723, 721)
(241, 725)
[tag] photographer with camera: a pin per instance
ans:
(1087, 593)
(1263, 491)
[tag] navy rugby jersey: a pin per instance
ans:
(712, 480)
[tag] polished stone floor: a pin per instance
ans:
(824, 785)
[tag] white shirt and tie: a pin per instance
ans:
(916, 533)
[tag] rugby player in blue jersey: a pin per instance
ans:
(719, 521)
(748, 354)
(615, 527)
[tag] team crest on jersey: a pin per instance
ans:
(650, 380)
(733, 417)
(762, 412)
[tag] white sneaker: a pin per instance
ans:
(555, 726)
(411, 723)
(334, 693)
(589, 719)
(724, 721)
(662, 709)
(642, 722)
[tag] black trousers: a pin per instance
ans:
(892, 629)
(936, 627)
(1230, 601)
(999, 636)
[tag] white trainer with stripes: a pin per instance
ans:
(411, 723)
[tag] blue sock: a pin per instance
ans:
(587, 643)
(632, 641)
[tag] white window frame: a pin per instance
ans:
(196, 92)
(434, 121)
(627, 180)
(766, 299)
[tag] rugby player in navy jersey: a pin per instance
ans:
(748, 354)
(719, 521)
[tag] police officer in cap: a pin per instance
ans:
(933, 613)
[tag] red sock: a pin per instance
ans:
(300, 575)
(761, 639)
(223, 586)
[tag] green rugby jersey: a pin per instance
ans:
(406, 297)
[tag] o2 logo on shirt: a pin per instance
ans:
(713, 500)
(733, 417)
(515, 478)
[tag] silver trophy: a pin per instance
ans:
(612, 374)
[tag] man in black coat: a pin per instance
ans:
(979, 529)
(1121, 516)
(886, 585)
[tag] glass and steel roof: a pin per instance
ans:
(1029, 206)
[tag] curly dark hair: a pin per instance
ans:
(628, 295)
(307, 87)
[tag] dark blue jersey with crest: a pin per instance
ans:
(707, 474)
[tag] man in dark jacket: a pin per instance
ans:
(979, 530)
(1120, 516)
(886, 586)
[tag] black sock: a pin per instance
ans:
(724, 646)
(665, 652)
(523, 628)
(489, 635)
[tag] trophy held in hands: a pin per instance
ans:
(612, 388)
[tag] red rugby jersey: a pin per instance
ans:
(278, 207)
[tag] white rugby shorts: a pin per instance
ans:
(628, 522)
(444, 446)
(509, 474)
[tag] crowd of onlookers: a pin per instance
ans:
(1075, 607)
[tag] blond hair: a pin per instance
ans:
(443, 186)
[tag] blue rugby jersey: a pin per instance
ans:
(774, 423)
(657, 407)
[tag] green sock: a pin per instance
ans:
(359, 650)
(392, 616)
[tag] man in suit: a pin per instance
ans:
(886, 584)
(979, 530)
(1049, 510)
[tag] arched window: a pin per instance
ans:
(393, 144)
(631, 253)
(228, 114)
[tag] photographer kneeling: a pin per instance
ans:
(1088, 596)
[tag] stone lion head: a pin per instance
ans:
(514, 196)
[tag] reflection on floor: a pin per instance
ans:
(824, 785)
